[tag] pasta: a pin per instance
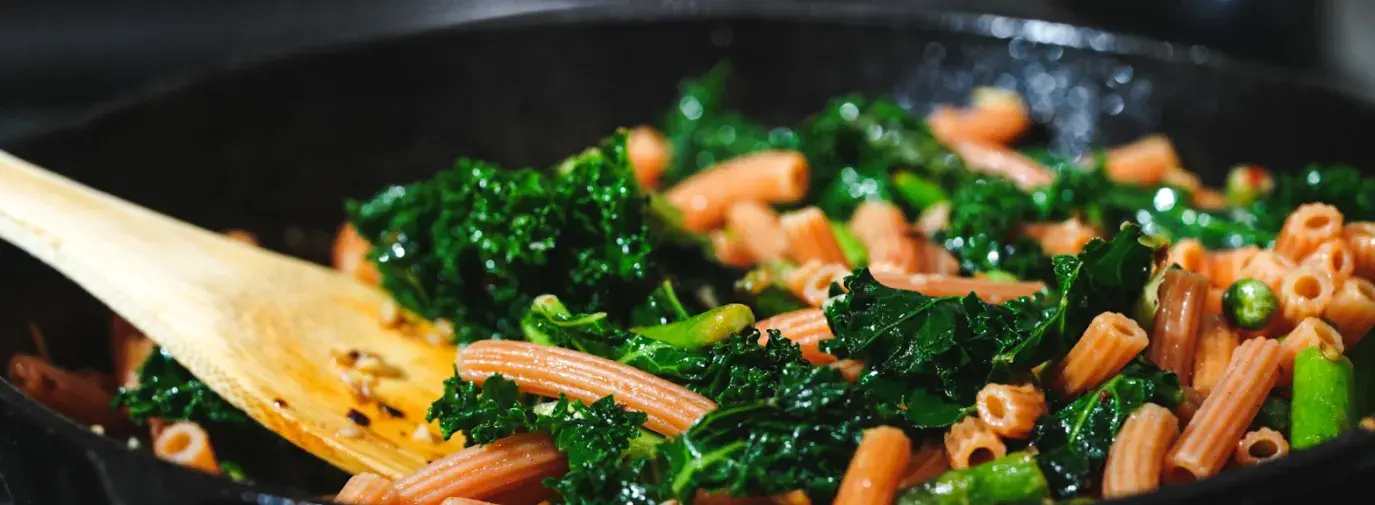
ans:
(1066, 237)
(483, 471)
(936, 260)
(1306, 228)
(818, 286)
(729, 250)
(997, 117)
(876, 468)
(350, 255)
(1211, 436)
(548, 371)
(1216, 341)
(933, 219)
(927, 462)
(465, 501)
(367, 489)
(1011, 411)
(1003, 162)
(1268, 267)
(1143, 162)
(1138, 453)
(896, 254)
(1260, 446)
(649, 154)
(1226, 266)
(1174, 337)
(1110, 341)
(64, 391)
(807, 328)
(756, 227)
(186, 444)
(877, 220)
(1311, 332)
(945, 285)
(768, 176)
(1305, 292)
(1360, 239)
(810, 237)
(1352, 310)
(970, 442)
(1190, 255)
(849, 369)
(1333, 257)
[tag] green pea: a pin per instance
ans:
(1249, 304)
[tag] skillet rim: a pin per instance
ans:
(935, 15)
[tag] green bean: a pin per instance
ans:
(1249, 304)
(702, 329)
(1321, 407)
(916, 191)
(855, 253)
(1009, 480)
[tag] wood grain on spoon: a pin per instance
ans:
(257, 326)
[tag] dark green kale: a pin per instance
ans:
(1274, 414)
(476, 243)
(550, 323)
(603, 465)
(168, 391)
(983, 232)
(739, 370)
(1341, 186)
(484, 413)
(701, 130)
(1074, 440)
(661, 307)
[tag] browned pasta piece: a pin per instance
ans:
(1360, 238)
(1003, 162)
(897, 254)
(1352, 310)
(729, 250)
(1191, 399)
(927, 462)
(465, 501)
(996, 116)
(548, 371)
(351, 255)
(946, 285)
(1216, 341)
(1305, 292)
(1066, 237)
(1109, 343)
(1268, 267)
(1311, 332)
(64, 391)
(128, 349)
(971, 443)
(818, 287)
(933, 219)
(767, 176)
(1213, 305)
(807, 328)
(367, 489)
(756, 226)
(1225, 266)
(875, 220)
(1211, 437)
(849, 369)
(649, 154)
(1138, 452)
(810, 237)
(1144, 162)
(1174, 336)
(876, 468)
(1308, 226)
(1190, 255)
(796, 279)
(1333, 256)
(1260, 446)
(188, 445)
(483, 471)
(1011, 410)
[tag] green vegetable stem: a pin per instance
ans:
(917, 192)
(1249, 304)
(1322, 407)
(855, 252)
(1011, 479)
(702, 329)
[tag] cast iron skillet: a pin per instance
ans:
(275, 148)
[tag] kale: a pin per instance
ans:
(168, 391)
(1074, 440)
(701, 131)
(603, 465)
(661, 307)
(983, 231)
(484, 414)
(550, 323)
(1341, 186)
(739, 370)
(1274, 414)
(476, 243)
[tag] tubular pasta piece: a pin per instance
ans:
(818, 286)
(876, 468)
(1175, 333)
(1352, 310)
(649, 154)
(1225, 266)
(1360, 238)
(1066, 237)
(1213, 305)
(1261, 446)
(933, 219)
(186, 444)
(351, 256)
(1268, 267)
(1311, 332)
(1109, 343)
(1003, 162)
(1144, 162)
(64, 391)
(465, 501)
(367, 489)
(767, 176)
(1011, 411)
(1211, 437)
(897, 254)
(729, 250)
(1188, 405)
(936, 260)
(482, 471)
(1216, 342)
(875, 220)
(806, 327)
(1308, 226)
(1305, 292)
(926, 463)
(810, 237)
(849, 369)
(1138, 452)
(997, 116)
(971, 443)
(756, 226)
(1190, 255)
(548, 371)
(945, 285)
(1333, 256)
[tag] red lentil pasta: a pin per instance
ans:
(483, 471)
(1143, 162)
(1210, 438)
(1009, 410)
(997, 116)
(1174, 337)
(1110, 342)
(367, 489)
(807, 328)
(810, 237)
(769, 176)
(1260, 446)
(1360, 238)
(1137, 454)
(1352, 310)
(876, 469)
(757, 228)
(927, 462)
(971, 442)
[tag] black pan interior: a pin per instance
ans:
(275, 149)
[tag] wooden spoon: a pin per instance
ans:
(260, 328)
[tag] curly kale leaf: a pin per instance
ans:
(1074, 440)
(740, 370)
(476, 243)
(168, 391)
(661, 307)
(1341, 186)
(701, 130)
(983, 231)
(484, 414)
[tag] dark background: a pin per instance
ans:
(59, 57)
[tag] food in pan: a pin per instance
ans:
(868, 307)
